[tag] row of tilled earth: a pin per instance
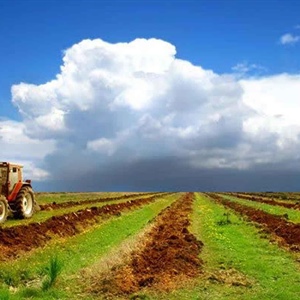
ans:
(266, 201)
(287, 232)
(291, 196)
(22, 238)
(54, 205)
(169, 255)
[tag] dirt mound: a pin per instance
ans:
(288, 232)
(17, 239)
(170, 254)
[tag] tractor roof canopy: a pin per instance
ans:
(7, 164)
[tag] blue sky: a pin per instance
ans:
(252, 41)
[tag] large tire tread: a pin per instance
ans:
(4, 212)
(18, 203)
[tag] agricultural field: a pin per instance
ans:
(154, 246)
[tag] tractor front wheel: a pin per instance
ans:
(3, 209)
(24, 203)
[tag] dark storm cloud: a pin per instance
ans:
(171, 174)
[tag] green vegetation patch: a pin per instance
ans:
(46, 198)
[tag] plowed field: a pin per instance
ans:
(267, 201)
(17, 239)
(152, 246)
(289, 233)
(54, 205)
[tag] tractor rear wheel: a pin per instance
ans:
(24, 203)
(3, 209)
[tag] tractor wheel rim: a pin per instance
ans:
(2, 211)
(27, 204)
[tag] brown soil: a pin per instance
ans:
(288, 232)
(55, 205)
(169, 256)
(267, 201)
(18, 239)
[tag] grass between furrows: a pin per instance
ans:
(280, 196)
(269, 197)
(25, 276)
(293, 215)
(42, 216)
(46, 198)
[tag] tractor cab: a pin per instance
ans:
(15, 194)
(10, 176)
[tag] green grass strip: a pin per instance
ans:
(293, 215)
(46, 198)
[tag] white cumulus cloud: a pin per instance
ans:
(17, 147)
(289, 39)
(276, 100)
(116, 104)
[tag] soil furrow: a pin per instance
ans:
(169, 256)
(266, 201)
(288, 232)
(54, 205)
(289, 196)
(18, 239)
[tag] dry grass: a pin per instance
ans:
(98, 278)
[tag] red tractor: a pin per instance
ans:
(16, 195)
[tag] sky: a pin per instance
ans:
(151, 95)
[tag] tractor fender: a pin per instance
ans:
(16, 190)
